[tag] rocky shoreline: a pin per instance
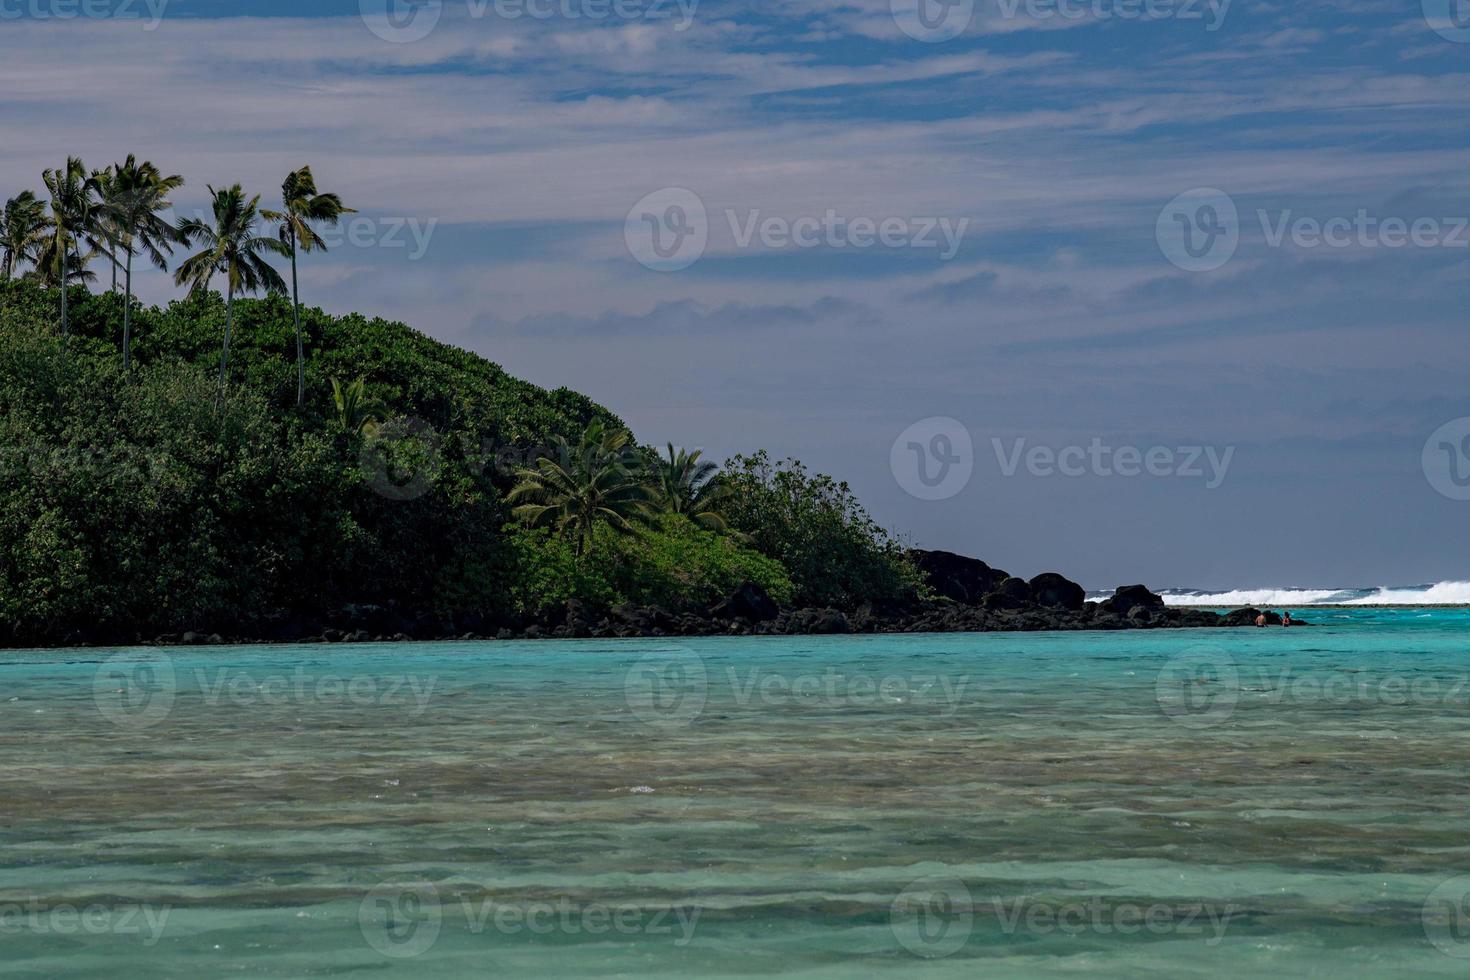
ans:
(972, 597)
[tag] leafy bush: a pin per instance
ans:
(674, 564)
(835, 553)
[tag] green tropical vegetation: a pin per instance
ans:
(139, 496)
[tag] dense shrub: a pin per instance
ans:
(673, 564)
(149, 503)
(834, 552)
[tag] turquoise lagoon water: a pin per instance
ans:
(1171, 804)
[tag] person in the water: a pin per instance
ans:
(1286, 618)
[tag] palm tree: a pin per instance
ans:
(134, 194)
(233, 248)
(600, 480)
(357, 413)
(22, 231)
(303, 207)
(102, 233)
(689, 485)
(60, 262)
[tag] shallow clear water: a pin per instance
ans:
(1172, 804)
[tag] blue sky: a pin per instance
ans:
(516, 148)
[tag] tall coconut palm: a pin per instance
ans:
(133, 196)
(72, 191)
(689, 485)
(303, 207)
(102, 232)
(23, 227)
(232, 248)
(600, 480)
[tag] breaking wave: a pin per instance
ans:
(1438, 594)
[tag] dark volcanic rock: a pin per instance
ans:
(749, 602)
(1002, 600)
(1016, 588)
(964, 580)
(1056, 590)
(817, 621)
(1129, 597)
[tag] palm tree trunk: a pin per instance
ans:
(64, 325)
(128, 312)
(296, 311)
(224, 356)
